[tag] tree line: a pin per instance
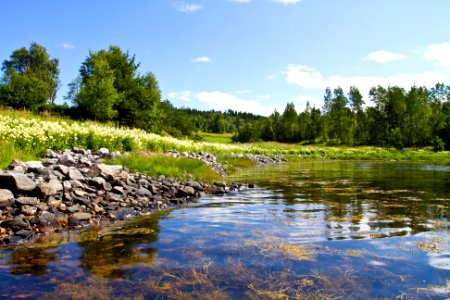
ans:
(396, 117)
(109, 88)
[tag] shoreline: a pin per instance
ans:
(73, 189)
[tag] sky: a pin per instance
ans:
(245, 55)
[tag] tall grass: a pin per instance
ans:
(34, 134)
(8, 152)
(155, 165)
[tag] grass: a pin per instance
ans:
(224, 138)
(9, 152)
(157, 164)
(27, 136)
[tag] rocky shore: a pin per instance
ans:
(73, 189)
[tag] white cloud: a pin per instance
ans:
(66, 46)
(310, 78)
(184, 96)
(287, 2)
(439, 53)
(187, 7)
(223, 101)
(201, 59)
(304, 76)
(383, 57)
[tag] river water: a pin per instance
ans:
(309, 230)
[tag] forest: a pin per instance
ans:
(109, 88)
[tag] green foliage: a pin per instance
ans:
(156, 165)
(109, 88)
(30, 78)
(438, 144)
(98, 96)
(224, 138)
(398, 118)
(9, 152)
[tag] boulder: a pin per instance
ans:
(50, 188)
(16, 182)
(6, 198)
(75, 174)
(27, 200)
(34, 166)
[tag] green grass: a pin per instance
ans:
(223, 138)
(8, 152)
(179, 168)
(234, 164)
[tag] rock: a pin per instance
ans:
(106, 171)
(186, 191)
(47, 219)
(80, 216)
(16, 224)
(34, 166)
(143, 192)
(24, 233)
(195, 185)
(6, 198)
(16, 182)
(52, 154)
(74, 174)
(18, 166)
(27, 200)
(97, 181)
(50, 188)
(103, 152)
(29, 210)
(219, 184)
(63, 169)
(66, 159)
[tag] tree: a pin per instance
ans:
(136, 98)
(98, 95)
(30, 78)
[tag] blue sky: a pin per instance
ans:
(248, 55)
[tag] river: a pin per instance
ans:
(308, 230)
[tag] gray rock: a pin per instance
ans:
(97, 181)
(63, 169)
(186, 191)
(143, 192)
(66, 159)
(27, 200)
(103, 152)
(80, 216)
(16, 182)
(6, 198)
(18, 166)
(34, 166)
(75, 174)
(52, 154)
(50, 188)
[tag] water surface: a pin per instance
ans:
(309, 230)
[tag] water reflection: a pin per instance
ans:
(362, 200)
(105, 252)
(317, 230)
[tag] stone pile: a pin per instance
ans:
(207, 158)
(73, 189)
(263, 159)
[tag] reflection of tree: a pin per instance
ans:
(106, 251)
(373, 199)
(34, 260)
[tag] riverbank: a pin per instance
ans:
(26, 136)
(74, 189)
